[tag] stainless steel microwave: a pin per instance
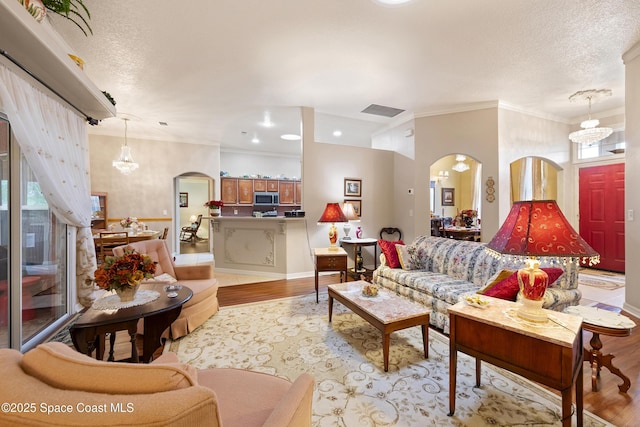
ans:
(262, 198)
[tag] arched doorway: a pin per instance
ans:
(192, 190)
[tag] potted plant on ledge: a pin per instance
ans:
(214, 206)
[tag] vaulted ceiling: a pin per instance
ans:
(211, 70)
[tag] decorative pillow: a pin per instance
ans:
(389, 251)
(404, 255)
(504, 284)
(62, 367)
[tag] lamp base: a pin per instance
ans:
(532, 311)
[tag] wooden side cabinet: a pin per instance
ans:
(99, 211)
(327, 260)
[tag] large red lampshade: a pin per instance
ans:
(534, 229)
(332, 214)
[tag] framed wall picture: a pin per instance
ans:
(352, 187)
(184, 200)
(357, 206)
(448, 197)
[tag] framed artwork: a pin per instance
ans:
(352, 187)
(357, 206)
(448, 197)
(184, 200)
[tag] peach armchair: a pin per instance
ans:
(53, 384)
(199, 278)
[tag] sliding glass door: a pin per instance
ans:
(33, 253)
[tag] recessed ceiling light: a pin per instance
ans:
(255, 140)
(267, 120)
(290, 137)
(337, 133)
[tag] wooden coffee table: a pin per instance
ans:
(89, 330)
(387, 312)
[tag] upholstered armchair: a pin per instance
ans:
(53, 384)
(199, 278)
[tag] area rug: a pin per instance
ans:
(602, 280)
(289, 336)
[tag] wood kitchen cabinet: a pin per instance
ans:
(286, 191)
(272, 185)
(298, 193)
(245, 191)
(229, 188)
(259, 185)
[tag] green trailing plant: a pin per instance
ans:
(109, 97)
(73, 10)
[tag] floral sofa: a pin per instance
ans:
(438, 272)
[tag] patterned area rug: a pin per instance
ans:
(602, 280)
(289, 336)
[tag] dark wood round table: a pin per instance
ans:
(91, 327)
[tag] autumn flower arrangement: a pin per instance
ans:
(130, 269)
(214, 204)
(466, 217)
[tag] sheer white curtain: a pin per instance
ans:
(476, 185)
(54, 141)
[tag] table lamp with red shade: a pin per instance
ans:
(537, 229)
(332, 214)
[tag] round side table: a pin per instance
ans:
(605, 322)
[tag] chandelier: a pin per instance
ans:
(590, 131)
(125, 162)
(461, 166)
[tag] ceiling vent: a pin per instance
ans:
(381, 110)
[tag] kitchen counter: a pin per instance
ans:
(269, 246)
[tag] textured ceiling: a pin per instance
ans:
(211, 69)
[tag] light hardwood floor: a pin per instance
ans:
(621, 409)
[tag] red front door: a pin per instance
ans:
(601, 207)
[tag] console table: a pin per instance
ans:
(495, 334)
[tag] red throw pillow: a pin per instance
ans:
(389, 251)
(504, 284)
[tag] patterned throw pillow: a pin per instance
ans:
(405, 257)
(504, 284)
(389, 251)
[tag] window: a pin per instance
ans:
(33, 286)
(613, 144)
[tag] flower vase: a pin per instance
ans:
(215, 212)
(127, 292)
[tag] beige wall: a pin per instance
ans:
(325, 166)
(632, 178)
(149, 191)
(473, 133)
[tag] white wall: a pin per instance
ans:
(265, 164)
(632, 178)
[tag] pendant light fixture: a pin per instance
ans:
(125, 163)
(590, 131)
(461, 166)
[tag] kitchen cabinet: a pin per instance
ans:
(229, 188)
(272, 185)
(298, 193)
(245, 191)
(259, 185)
(286, 192)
